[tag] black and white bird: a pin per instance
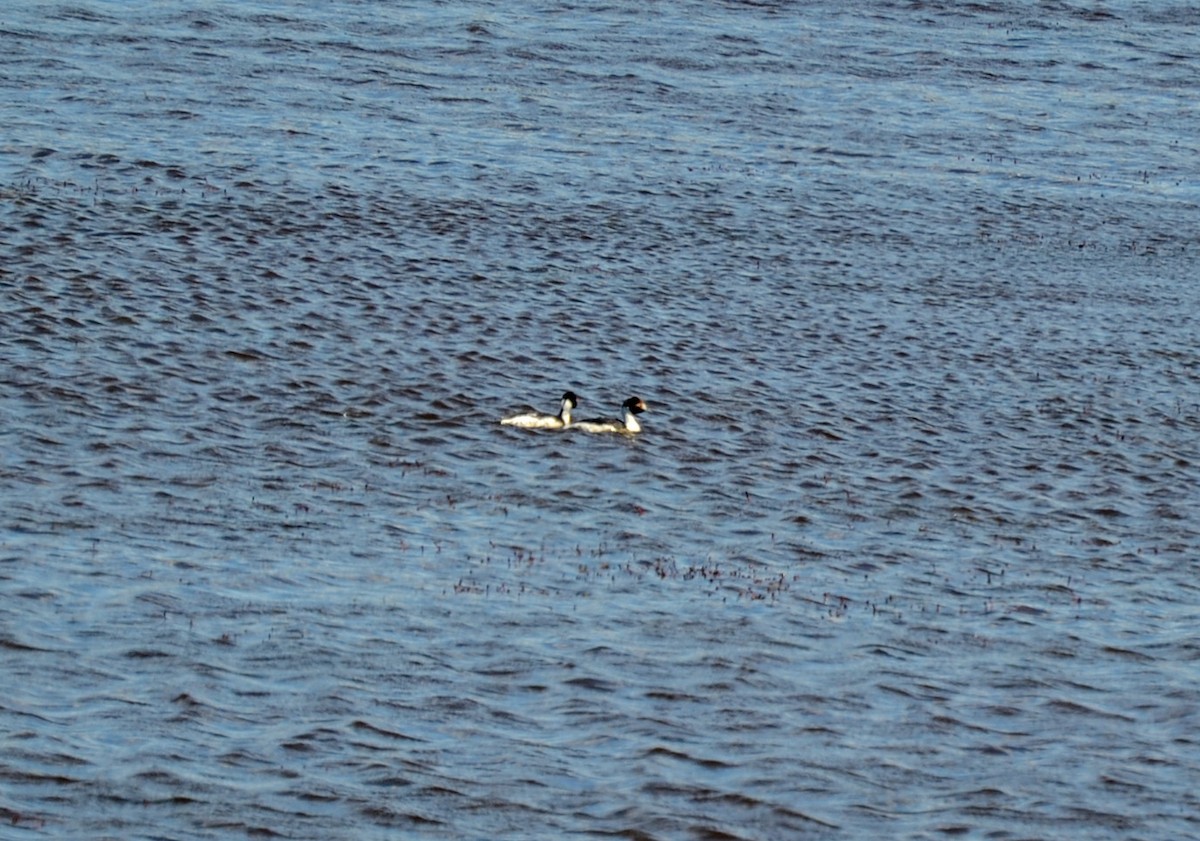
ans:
(628, 421)
(540, 420)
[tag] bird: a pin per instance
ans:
(540, 420)
(628, 421)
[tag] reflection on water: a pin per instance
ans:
(906, 544)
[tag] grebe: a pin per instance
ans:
(538, 420)
(630, 409)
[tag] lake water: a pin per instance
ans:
(908, 547)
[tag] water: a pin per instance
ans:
(908, 545)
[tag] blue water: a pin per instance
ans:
(908, 544)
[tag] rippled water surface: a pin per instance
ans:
(909, 544)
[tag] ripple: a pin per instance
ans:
(913, 486)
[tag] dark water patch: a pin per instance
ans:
(915, 354)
